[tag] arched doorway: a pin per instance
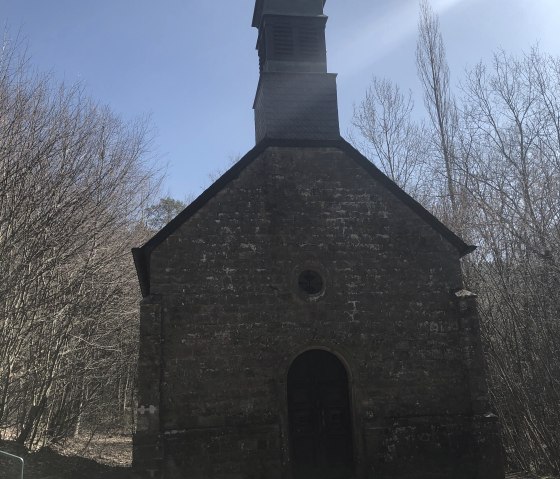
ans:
(319, 417)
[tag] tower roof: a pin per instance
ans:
(286, 7)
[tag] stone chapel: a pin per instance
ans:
(304, 317)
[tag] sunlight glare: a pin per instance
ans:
(379, 36)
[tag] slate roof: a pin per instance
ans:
(142, 255)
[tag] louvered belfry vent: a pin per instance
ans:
(296, 97)
(292, 44)
(296, 42)
(283, 38)
(309, 41)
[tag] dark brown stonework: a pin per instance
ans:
(224, 317)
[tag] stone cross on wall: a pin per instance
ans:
(143, 409)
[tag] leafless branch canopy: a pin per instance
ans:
(74, 180)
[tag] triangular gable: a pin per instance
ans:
(142, 255)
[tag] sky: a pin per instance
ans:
(193, 68)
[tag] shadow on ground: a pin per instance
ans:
(50, 464)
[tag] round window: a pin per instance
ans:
(310, 282)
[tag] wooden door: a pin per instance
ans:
(319, 417)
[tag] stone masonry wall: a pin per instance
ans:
(233, 320)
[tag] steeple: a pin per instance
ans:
(296, 97)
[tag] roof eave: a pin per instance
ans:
(142, 265)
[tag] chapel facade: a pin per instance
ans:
(304, 317)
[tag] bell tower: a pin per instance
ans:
(296, 97)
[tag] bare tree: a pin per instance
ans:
(513, 109)
(433, 72)
(74, 180)
(391, 138)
